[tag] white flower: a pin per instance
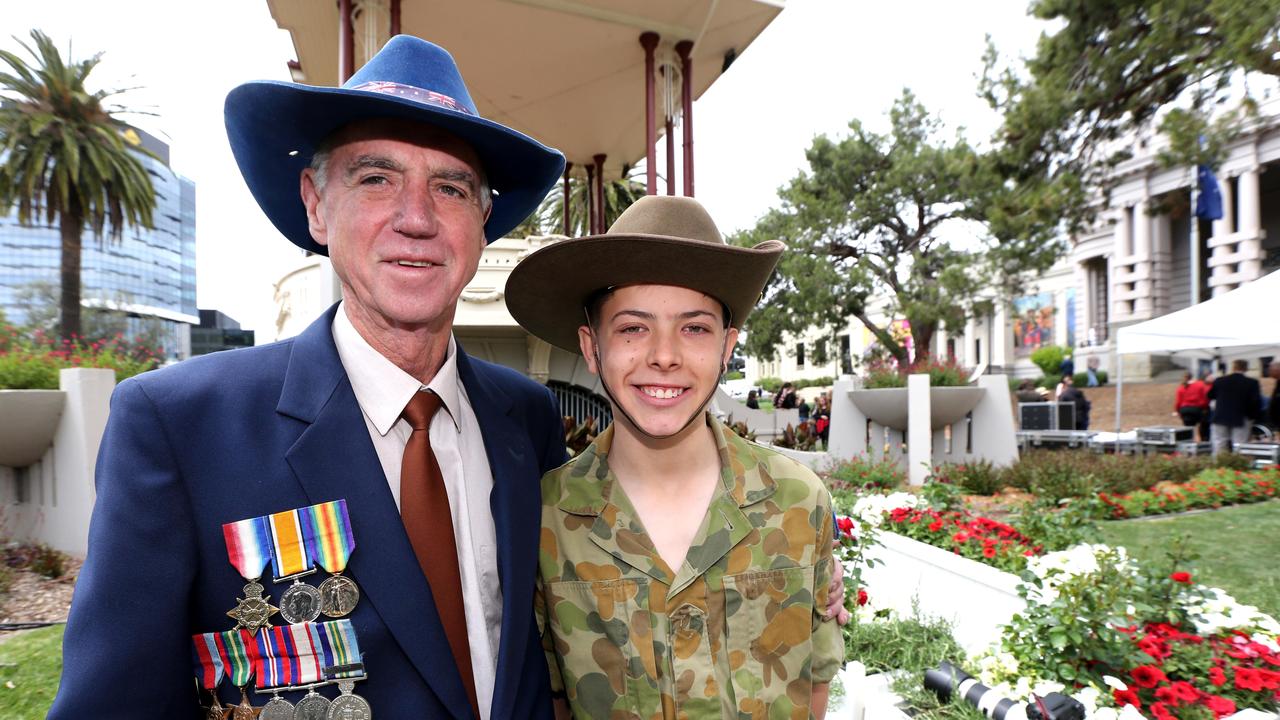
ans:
(1104, 713)
(1114, 683)
(1129, 712)
(870, 509)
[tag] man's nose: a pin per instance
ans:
(416, 215)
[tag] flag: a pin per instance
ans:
(1209, 202)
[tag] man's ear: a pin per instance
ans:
(312, 199)
(586, 343)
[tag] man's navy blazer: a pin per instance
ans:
(245, 433)
(1237, 399)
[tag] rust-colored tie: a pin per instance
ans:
(424, 508)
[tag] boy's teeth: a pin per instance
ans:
(663, 393)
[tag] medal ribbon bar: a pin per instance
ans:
(289, 553)
(208, 659)
(287, 657)
(326, 528)
(239, 653)
(339, 648)
(248, 546)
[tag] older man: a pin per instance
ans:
(396, 169)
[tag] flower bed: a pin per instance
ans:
(965, 534)
(1212, 488)
(32, 363)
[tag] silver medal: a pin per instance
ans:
(312, 707)
(277, 708)
(339, 596)
(347, 706)
(300, 603)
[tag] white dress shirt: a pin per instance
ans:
(382, 391)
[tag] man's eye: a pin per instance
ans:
(453, 190)
(374, 180)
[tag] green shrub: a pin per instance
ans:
(36, 557)
(1060, 525)
(32, 363)
(1081, 379)
(770, 385)
(1059, 473)
(977, 477)
(1049, 359)
(916, 644)
(823, 381)
(888, 374)
(847, 478)
(734, 375)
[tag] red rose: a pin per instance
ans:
(1127, 697)
(862, 597)
(1219, 705)
(1182, 577)
(1161, 712)
(1147, 676)
(1217, 677)
(845, 523)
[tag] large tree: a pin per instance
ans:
(1107, 70)
(619, 194)
(64, 160)
(903, 225)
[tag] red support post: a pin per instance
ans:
(599, 191)
(649, 41)
(671, 158)
(346, 42)
(395, 18)
(683, 49)
(568, 229)
(591, 199)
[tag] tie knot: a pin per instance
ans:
(421, 409)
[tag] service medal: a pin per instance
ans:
(348, 706)
(277, 708)
(244, 711)
(312, 707)
(338, 596)
(300, 603)
(252, 612)
(326, 532)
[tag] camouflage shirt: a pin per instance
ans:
(735, 633)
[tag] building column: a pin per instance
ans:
(564, 206)
(970, 334)
(346, 42)
(1001, 337)
(649, 41)
(1121, 258)
(683, 49)
(1142, 301)
(1250, 221)
(1222, 227)
(591, 200)
(601, 222)
(671, 156)
(539, 353)
(1161, 263)
(395, 18)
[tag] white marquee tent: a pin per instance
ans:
(1242, 323)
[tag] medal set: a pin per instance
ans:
(303, 655)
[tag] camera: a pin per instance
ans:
(947, 680)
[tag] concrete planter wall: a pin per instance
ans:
(888, 406)
(815, 461)
(977, 598)
(30, 422)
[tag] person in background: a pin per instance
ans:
(1273, 410)
(1191, 403)
(804, 409)
(1236, 404)
(1027, 392)
(1072, 394)
(753, 400)
(785, 399)
(822, 418)
(1091, 370)
(1067, 366)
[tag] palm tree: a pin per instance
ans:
(63, 157)
(619, 194)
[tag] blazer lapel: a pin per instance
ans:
(515, 500)
(334, 458)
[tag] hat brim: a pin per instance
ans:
(547, 290)
(274, 128)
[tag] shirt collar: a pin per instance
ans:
(381, 388)
(743, 474)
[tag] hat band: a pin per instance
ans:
(415, 94)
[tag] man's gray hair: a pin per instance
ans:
(324, 152)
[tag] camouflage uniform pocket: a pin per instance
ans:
(603, 639)
(768, 626)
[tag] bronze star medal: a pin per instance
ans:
(252, 611)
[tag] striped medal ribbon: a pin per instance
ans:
(249, 548)
(291, 559)
(287, 656)
(339, 649)
(208, 660)
(327, 536)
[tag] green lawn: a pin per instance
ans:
(1237, 548)
(30, 664)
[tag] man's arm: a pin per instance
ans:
(126, 652)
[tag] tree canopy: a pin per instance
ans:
(906, 219)
(1108, 70)
(63, 159)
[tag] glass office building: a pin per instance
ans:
(150, 274)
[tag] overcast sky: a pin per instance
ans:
(820, 64)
